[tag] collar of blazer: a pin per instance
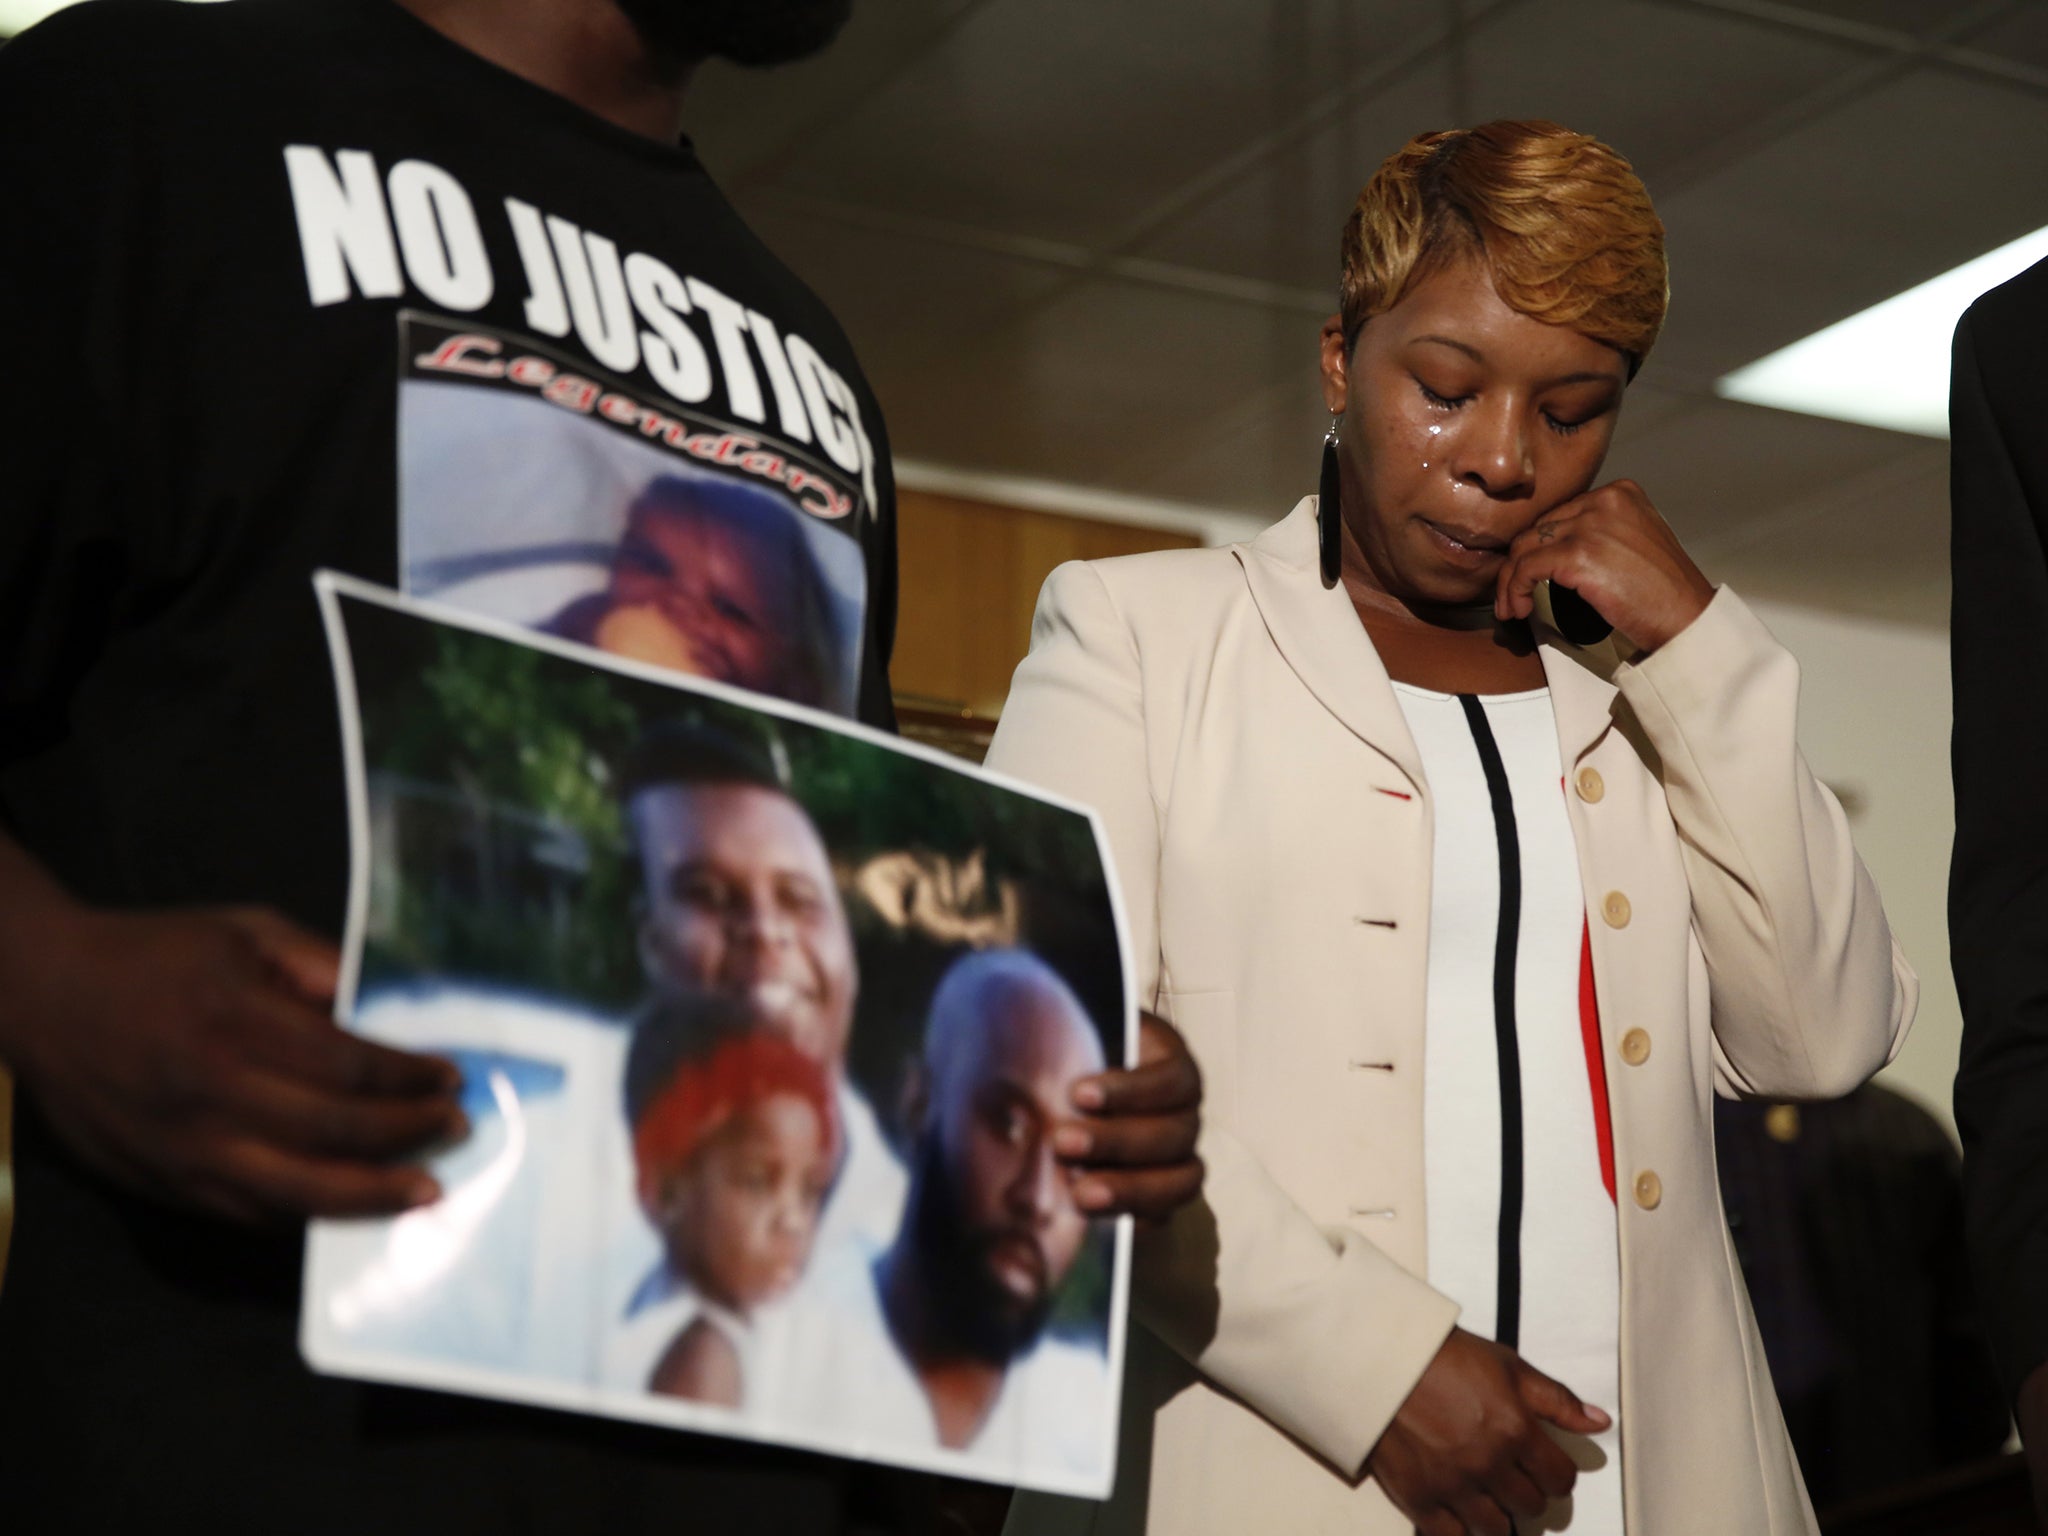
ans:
(1319, 634)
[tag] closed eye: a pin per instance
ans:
(1566, 415)
(1441, 402)
(726, 608)
(639, 555)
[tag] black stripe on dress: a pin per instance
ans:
(1508, 1305)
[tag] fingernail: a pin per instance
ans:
(1088, 1094)
(1072, 1141)
(1599, 1414)
(422, 1191)
(1092, 1195)
(458, 1126)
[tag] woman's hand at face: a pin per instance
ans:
(1612, 548)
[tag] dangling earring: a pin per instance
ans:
(1330, 509)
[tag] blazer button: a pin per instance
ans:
(1635, 1047)
(1615, 908)
(1591, 786)
(1649, 1190)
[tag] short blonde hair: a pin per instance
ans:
(1562, 222)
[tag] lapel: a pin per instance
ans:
(1582, 691)
(1318, 634)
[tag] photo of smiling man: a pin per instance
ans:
(739, 901)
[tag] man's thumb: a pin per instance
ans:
(1560, 1405)
(309, 965)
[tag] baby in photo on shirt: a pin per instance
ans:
(735, 1143)
(715, 578)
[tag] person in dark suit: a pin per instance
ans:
(1998, 884)
(1847, 1216)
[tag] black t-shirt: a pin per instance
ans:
(298, 283)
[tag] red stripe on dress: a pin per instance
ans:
(1596, 1059)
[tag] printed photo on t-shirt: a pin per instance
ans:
(534, 490)
(765, 1022)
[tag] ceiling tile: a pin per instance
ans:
(742, 119)
(2021, 37)
(1101, 388)
(1723, 474)
(1849, 210)
(1066, 119)
(903, 302)
(1656, 83)
(1283, 222)
(1913, 18)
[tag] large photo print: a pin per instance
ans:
(764, 1022)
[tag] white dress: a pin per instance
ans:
(636, 1346)
(1518, 1165)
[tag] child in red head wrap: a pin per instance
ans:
(735, 1143)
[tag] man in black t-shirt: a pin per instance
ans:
(430, 292)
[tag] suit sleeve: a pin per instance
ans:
(1998, 882)
(1810, 993)
(1315, 1329)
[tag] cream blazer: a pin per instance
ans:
(1271, 829)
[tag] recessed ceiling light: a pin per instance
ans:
(1888, 366)
(19, 15)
